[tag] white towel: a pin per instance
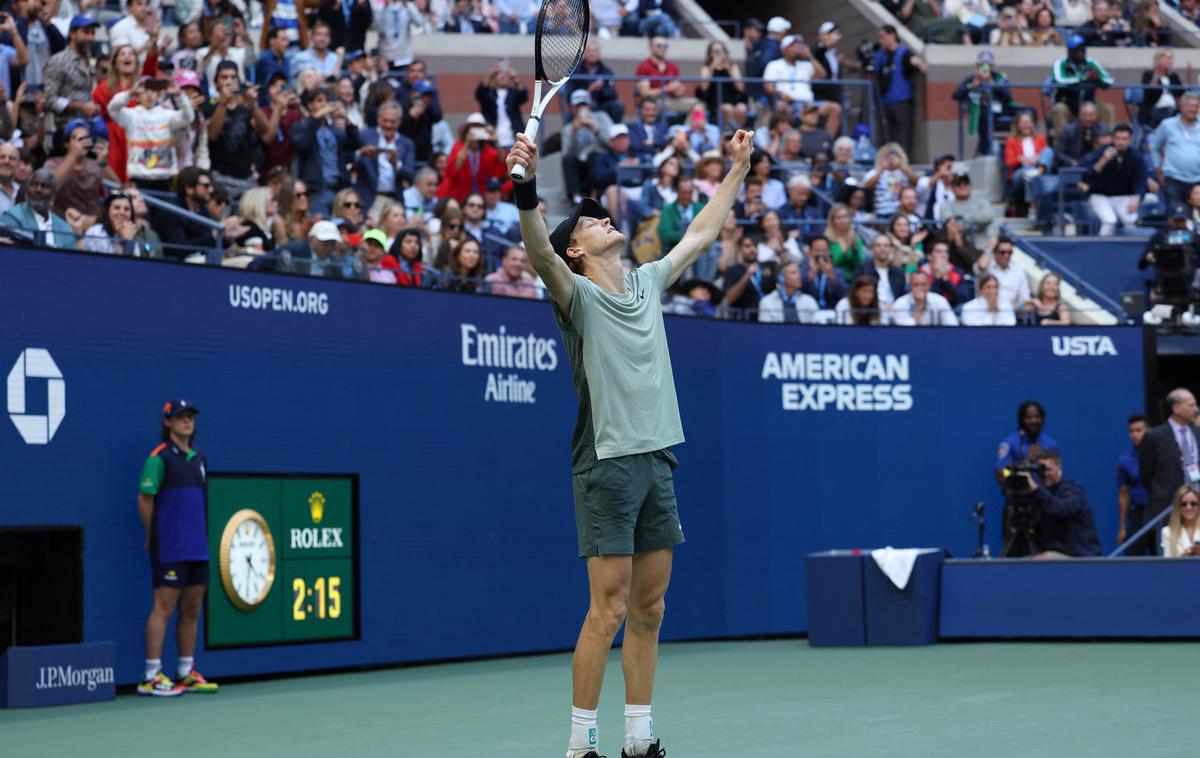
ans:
(897, 564)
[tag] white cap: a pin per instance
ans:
(778, 24)
(789, 40)
(580, 97)
(616, 130)
(325, 231)
(827, 27)
(477, 118)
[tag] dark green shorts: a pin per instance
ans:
(626, 505)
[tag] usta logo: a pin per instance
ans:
(1094, 344)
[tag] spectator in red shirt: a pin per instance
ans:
(660, 78)
(406, 250)
(472, 161)
(511, 279)
(123, 71)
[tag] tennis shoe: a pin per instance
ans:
(160, 686)
(653, 750)
(195, 682)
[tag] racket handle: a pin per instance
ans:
(531, 130)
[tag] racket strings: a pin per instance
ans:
(563, 34)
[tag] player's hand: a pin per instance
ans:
(741, 146)
(523, 153)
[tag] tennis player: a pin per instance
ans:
(625, 513)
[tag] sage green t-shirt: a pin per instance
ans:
(617, 348)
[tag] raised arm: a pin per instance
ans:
(707, 225)
(559, 279)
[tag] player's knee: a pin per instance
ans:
(648, 615)
(608, 615)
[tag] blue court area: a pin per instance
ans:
(777, 699)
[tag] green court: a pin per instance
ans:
(775, 698)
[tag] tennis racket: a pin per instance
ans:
(562, 32)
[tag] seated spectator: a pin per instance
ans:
(1190, 9)
(595, 78)
(845, 245)
(348, 214)
(967, 205)
(1010, 31)
(464, 268)
(410, 270)
(708, 172)
(1043, 32)
(500, 215)
(146, 241)
(909, 247)
(695, 297)
(473, 160)
(770, 139)
(259, 212)
(1115, 181)
(78, 175)
(857, 203)
(774, 194)
(908, 208)
(10, 158)
(702, 136)
(1102, 29)
(1073, 13)
(421, 113)
(743, 280)
(889, 277)
(660, 78)
(648, 134)
(35, 217)
(726, 99)
(320, 139)
(924, 18)
(987, 309)
(1013, 283)
(474, 213)
(1163, 86)
(293, 209)
(317, 254)
(861, 307)
(787, 303)
(775, 245)
(500, 99)
(1023, 151)
(810, 139)
(1047, 307)
(1066, 527)
(920, 307)
(392, 220)
(585, 133)
(115, 232)
(1076, 77)
(788, 82)
(800, 216)
(660, 190)
(988, 97)
(751, 206)
(1180, 538)
(935, 189)
(512, 279)
(384, 163)
(678, 214)
(603, 169)
(655, 18)
(375, 263)
(891, 174)
(822, 281)
(945, 278)
(151, 130)
(1149, 28)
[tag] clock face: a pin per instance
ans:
(247, 559)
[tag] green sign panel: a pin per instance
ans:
(283, 560)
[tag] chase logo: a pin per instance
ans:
(36, 363)
(1083, 345)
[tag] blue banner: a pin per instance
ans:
(57, 674)
(456, 412)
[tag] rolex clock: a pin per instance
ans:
(247, 559)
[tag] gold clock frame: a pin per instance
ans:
(236, 520)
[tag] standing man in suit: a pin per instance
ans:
(385, 161)
(1169, 455)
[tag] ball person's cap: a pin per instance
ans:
(176, 407)
(560, 238)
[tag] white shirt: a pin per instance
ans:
(937, 311)
(884, 286)
(128, 32)
(977, 313)
(387, 172)
(46, 225)
(1166, 99)
(1181, 544)
(767, 253)
(771, 311)
(504, 126)
(1014, 285)
(781, 73)
(843, 314)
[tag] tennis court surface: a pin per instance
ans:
(777, 698)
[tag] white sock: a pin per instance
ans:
(185, 666)
(585, 736)
(639, 727)
(153, 666)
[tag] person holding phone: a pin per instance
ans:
(150, 129)
(14, 54)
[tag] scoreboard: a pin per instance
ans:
(283, 557)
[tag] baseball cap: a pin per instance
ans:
(616, 130)
(790, 40)
(477, 119)
(827, 27)
(1076, 40)
(82, 21)
(376, 235)
(1179, 212)
(580, 97)
(351, 57)
(960, 179)
(778, 24)
(325, 231)
(176, 407)
(560, 238)
(494, 183)
(754, 23)
(422, 87)
(985, 57)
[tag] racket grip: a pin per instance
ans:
(531, 130)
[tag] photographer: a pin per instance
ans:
(1176, 236)
(1064, 525)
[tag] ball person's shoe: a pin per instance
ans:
(653, 750)
(160, 686)
(195, 682)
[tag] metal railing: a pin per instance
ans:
(1147, 528)
(214, 253)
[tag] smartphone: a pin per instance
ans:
(157, 85)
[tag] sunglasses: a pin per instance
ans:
(1189, 504)
(661, 45)
(474, 205)
(299, 194)
(204, 184)
(351, 204)
(1004, 252)
(454, 226)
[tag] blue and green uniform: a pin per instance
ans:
(178, 535)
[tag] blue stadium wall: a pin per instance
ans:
(467, 543)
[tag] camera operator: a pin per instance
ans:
(1175, 235)
(1065, 528)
